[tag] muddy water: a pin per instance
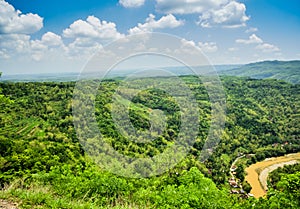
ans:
(257, 173)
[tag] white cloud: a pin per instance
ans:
(82, 48)
(190, 46)
(51, 39)
(92, 28)
(208, 47)
(15, 30)
(13, 21)
(253, 39)
(265, 47)
(17, 46)
(187, 47)
(233, 49)
(260, 44)
(225, 13)
(80, 28)
(132, 3)
(188, 6)
(168, 21)
(38, 51)
(232, 15)
(186, 43)
(88, 36)
(48, 42)
(251, 30)
(37, 45)
(12, 45)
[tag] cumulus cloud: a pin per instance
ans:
(253, 39)
(232, 15)
(20, 46)
(188, 6)
(85, 38)
(13, 21)
(265, 47)
(14, 44)
(48, 42)
(132, 3)
(82, 48)
(225, 13)
(51, 39)
(208, 46)
(187, 43)
(168, 21)
(92, 28)
(260, 44)
(187, 47)
(88, 36)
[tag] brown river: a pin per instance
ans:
(257, 173)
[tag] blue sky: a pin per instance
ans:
(41, 36)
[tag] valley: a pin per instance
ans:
(43, 163)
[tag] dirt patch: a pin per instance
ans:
(5, 204)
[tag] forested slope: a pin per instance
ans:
(282, 70)
(40, 147)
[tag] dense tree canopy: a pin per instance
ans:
(38, 142)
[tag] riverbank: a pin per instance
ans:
(257, 173)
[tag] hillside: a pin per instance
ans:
(281, 70)
(288, 71)
(44, 163)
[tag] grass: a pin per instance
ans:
(38, 196)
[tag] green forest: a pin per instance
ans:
(43, 163)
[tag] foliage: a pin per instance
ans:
(39, 144)
(276, 176)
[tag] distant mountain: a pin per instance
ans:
(282, 70)
(69, 76)
(44, 77)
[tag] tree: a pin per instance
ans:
(4, 99)
(246, 186)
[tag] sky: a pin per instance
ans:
(41, 36)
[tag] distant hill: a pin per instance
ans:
(73, 76)
(281, 70)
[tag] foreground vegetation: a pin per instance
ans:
(42, 163)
